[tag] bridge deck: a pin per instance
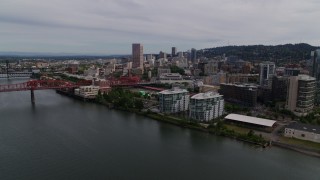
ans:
(40, 85)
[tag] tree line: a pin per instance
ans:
(292, 52)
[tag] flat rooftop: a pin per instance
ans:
(174, 91)
(304, 127)
(206, 95)
(251, 120)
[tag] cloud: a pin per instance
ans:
(110, 26)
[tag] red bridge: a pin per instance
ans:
(41, 85)
(61, 84)
(127, 81)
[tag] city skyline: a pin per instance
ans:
(109, 27)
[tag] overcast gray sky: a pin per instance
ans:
(111, 26)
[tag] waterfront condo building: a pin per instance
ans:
(206, 106)
(173, 100)
(137, 56)
(301, 94)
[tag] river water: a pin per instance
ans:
(62, 138)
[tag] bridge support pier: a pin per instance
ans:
(32, 96)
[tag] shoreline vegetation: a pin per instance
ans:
(131, 102)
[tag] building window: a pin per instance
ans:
(303, 135)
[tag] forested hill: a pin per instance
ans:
(291, 52)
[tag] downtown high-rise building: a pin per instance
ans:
(162, 55)
(315, 64)
(315, 72)
(193, 55)
(137, 56)
(267, 70)
(174, 51)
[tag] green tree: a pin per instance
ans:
(117, 74)
(145, 75)
(176, 69)
(250, 133)
(138, 104)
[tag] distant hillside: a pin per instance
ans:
(292, 52)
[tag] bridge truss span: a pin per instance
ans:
(40, 85)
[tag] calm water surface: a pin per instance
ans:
(62, 138)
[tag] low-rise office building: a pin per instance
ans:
(172, 78)
(88, 92)
(279, 88)
(173, 100)
(303, 131)
(241, 78)
(206, 106)
(163, 71)
(209, 67)
(244, 94)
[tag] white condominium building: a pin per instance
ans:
(174, 100)
(206, 106)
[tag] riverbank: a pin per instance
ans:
(225, 132)
(216, 129)
(66, 93)
(231, 134)
(307, 151)
(213, 129)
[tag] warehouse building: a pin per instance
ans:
(303, 131)
(259, 123)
